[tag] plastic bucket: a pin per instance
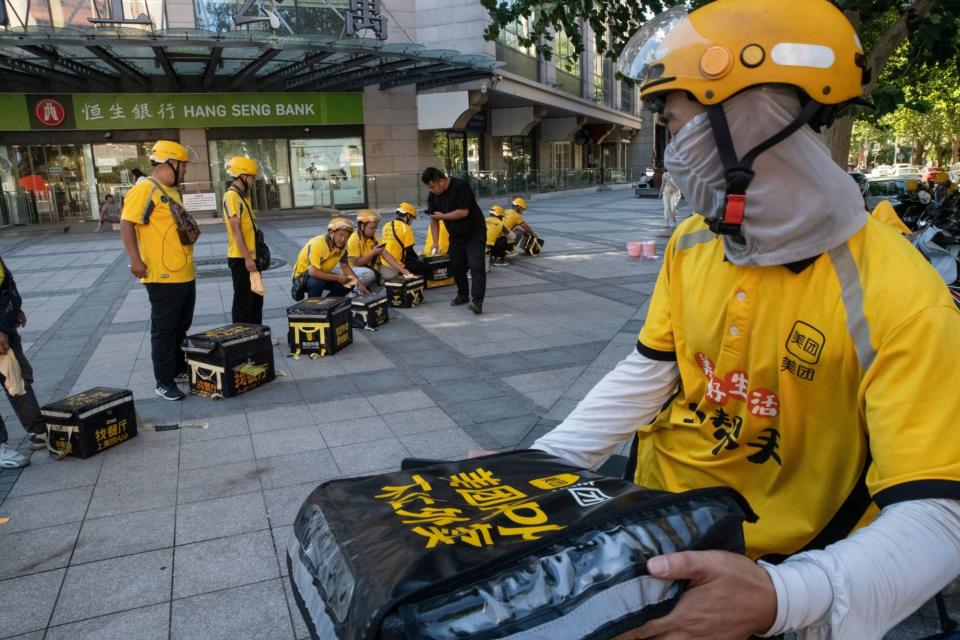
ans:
(634, 249)
(649, 249)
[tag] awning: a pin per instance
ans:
(67, 60)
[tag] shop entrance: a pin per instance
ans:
(53, 178)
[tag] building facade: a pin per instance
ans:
(341, 101)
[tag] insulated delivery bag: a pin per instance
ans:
(227, 361)
(512, 545)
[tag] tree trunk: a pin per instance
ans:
(919, 150)
(954, 151)
(837, 138)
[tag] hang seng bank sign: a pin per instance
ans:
(103, 111)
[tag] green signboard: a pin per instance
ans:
(104, 111)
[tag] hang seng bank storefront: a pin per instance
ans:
(67, 152)
(86, 87)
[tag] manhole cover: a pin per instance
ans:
(217, 267)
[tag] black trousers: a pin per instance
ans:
(247, 305)
(25, 406)
(499, 248)
(171, 314)
(469, 252)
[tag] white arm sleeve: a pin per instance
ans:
(862, 586)
(627, 397)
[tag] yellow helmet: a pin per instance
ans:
(727, 46)
(497, 210)
(338, 224)
(941, 177)
(240, 165)
(164, 150)
(407, 209)
(911, 186)
(519, 202)
(367, 215)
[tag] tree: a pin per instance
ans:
(884, 26)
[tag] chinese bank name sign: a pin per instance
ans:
(143, 111)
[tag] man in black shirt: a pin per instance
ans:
(452, 201)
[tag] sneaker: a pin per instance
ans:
(456, 302)
(181, 378)
(11, 458)
(169, 392)
(476, 307)
(500, 263)
(38, 441)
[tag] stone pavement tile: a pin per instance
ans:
(198, 521)
(409, 346)
(499, 408)
(121, 464)
(370, 429)
(124, 534)
(326, 389)
(300, 630)
(222, 426)
(296, 468)
(252, 612)
(38, 635)
(545, 398)
(135, 494)
(278, 443)
(108, 586)
(273, 393)
(533, 381)
(345, 409)
(442, 373)
(433, 357)
(450, 444)
(508, 433)
(196, 455)
(151, 438)
(145, 623)
(225, 562)
(460, 391)
(561, 409)
(38, 550)
(27, 602)
(386, 403)
(375, 382)
(418, 421)
(218, 482)
(66, 474)
(45, 509)
(362, 458)
(281, 538)
(542, 428)
(284, 503)
(286, 416)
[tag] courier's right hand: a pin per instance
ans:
(138, 268)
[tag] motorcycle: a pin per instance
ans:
(937, 231)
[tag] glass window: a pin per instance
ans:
(511, 34)
(459, 153)
(272, 187)
(112, 163)
(327, 172)
(324, 17)
(565, 55)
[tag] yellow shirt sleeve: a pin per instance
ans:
(912, 428)
(656, 336)
(885, 213)
(354, 246)
(138, 203)
(232, 205)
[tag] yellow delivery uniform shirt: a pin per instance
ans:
(168, 261)
(358, 246)
(398, 236)
(239, 206)
(819, 390)
(885, 213)
(494, 229)
(322, 255)
(512, 218)
(444, 247)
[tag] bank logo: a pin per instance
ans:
(587, 495)
(50, 112)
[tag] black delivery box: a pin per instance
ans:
(436, 271)
(319, 325)
(512, 545)
(405, 292)
(370, 311)
(531, 245)
(90, 422)
(230, 360)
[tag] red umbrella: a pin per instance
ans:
(35, 183)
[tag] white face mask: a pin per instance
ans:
(694, 163)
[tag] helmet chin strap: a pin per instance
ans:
(739, 173)
(176, 171)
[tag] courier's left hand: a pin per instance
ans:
(729, 597)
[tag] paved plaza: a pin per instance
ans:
(181, 534)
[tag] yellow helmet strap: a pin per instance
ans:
(175, 169)
(739, 173)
